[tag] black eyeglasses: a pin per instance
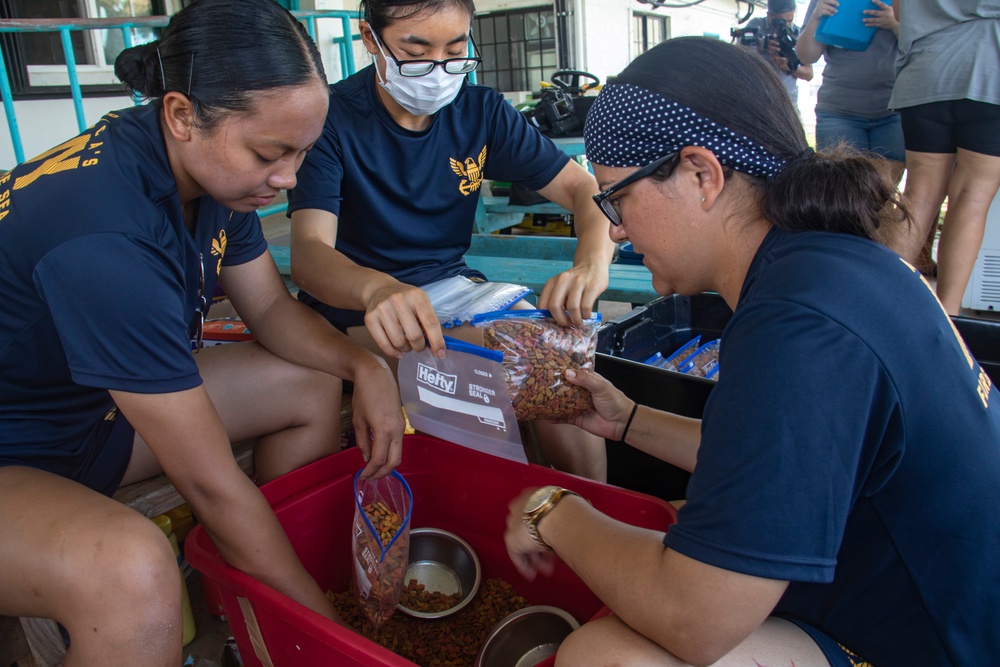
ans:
(423, 67)
(198, 339)
(609, 206)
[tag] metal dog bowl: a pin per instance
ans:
(526, 637)
(443, 562)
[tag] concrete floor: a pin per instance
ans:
(205, 650)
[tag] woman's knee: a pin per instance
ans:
(123, 584)
(134, 559)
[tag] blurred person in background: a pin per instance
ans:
(782, 10)
(947, 92)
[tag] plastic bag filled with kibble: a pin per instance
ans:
(536, 353)
(381, 539)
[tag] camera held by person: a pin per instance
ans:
(774, 37)
(775, 33)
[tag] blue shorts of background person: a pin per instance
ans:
(881, 136)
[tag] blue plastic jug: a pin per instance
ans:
(846, 28)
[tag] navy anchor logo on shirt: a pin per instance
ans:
(471, 170)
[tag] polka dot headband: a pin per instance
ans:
(630, 126)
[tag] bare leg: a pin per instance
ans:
(896, 169)
(971, 190)
(102, 570)
(927, 178)
(573, 450)
(293, 411)
(925, 260)
(608, 641)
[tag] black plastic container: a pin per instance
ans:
(983, 340)
(662, 325)
(666, 324)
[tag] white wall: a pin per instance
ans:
(47, 123)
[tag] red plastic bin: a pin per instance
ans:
(454, 488)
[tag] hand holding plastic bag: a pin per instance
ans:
(536, 354)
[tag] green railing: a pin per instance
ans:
(66, 27)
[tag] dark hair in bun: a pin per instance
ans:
(220, 53)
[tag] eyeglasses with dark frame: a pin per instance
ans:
(605, 201)
(415, 68)
(198, 340)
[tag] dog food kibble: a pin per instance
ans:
(536, 356)
(418, 598)
(452, 641)
(386, 521)
(380, 602)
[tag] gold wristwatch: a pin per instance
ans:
(540, 503)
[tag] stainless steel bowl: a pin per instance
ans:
(526, 637)
(442, 562)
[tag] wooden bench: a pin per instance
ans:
(531, 261)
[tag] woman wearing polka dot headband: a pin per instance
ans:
(837, 506)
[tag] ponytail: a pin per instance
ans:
(222, 54)
(840, 191)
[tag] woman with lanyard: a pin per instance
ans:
(386, 201)
(111, 242)
(837, 508)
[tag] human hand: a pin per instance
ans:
(570, 295)
(823, 8)
(881, 17)
(611, 407)
(774, 51)
(401, 318)
(378, 417)
(528, 557)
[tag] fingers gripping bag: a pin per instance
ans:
(381, 541)
(457, 300)
(536, 353)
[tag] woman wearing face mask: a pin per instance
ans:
(386, 200)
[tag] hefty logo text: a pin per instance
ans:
(435, 378)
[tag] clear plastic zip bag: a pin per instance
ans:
(381, 542)
(458, 300)
(536, 353)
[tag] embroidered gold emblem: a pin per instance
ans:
(219, 249)
(471, 170)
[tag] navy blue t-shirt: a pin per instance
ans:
(101, 281)
(405, 200)
(852, 447)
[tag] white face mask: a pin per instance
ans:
(420, 95)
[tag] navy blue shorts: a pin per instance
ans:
(943, 127)
(837, 654)
(345, 319)
(98, 460)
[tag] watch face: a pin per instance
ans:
(538, 498)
